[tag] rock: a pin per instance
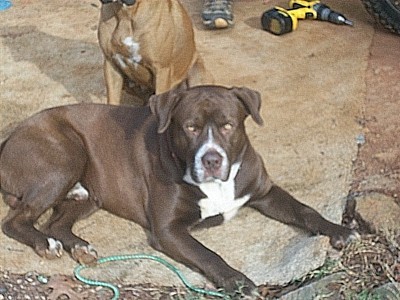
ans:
(381, 211)
(390, 291)
(316, 290)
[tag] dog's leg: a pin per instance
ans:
(20, 220)
(281, 206)
(114, 83)
(177, 243)
(59, 226)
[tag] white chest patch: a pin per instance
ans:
(220, 201)
(221, 197)
(133, 48)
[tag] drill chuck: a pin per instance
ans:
(324, 13)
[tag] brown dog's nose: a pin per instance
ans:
(212, 160)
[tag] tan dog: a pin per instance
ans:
(150, 43)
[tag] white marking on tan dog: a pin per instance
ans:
(78, 193)
(134, 59)
(133, 48)
(120, 60)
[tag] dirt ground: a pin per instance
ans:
(330, 101)
(378, 163)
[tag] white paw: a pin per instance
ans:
(55, 248)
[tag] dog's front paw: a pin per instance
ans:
(85, 255)
(239, 286)
(339, 241)
(53, 250)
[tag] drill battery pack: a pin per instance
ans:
(278, 21)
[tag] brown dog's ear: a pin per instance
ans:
(161, 106)
(252, 102)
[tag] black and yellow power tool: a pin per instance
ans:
(280, 20)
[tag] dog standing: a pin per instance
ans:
(150, 45)
(183, 161)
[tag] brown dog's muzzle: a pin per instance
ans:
(212, 162)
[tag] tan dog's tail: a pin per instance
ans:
(199, 75)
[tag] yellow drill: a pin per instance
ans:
(280, 20)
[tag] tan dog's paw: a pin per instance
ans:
(85, 255)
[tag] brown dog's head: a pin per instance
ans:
(205, 125)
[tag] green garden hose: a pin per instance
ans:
(115, 290)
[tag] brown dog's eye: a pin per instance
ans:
(226, 128)
(192, 129)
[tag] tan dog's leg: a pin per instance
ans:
(114, 83)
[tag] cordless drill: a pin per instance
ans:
(280, 20)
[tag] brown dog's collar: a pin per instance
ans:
(126, 2)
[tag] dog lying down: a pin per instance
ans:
(182, 160)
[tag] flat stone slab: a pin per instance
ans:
(379, 210)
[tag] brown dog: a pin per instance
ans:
(151, 45)
(181, 162)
